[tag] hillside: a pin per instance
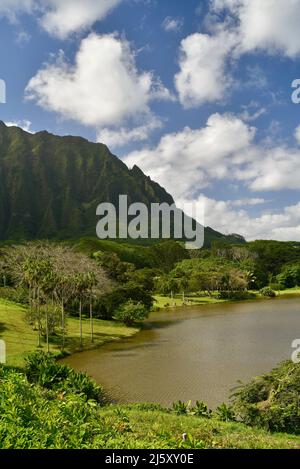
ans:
(51, 185)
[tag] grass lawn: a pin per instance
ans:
(190, 300)
(21, 339)
(290, 291)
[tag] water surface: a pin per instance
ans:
(195, 353)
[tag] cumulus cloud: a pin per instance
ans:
(188, 161)
(272, 25)
(203, 64)
(281, 225)
(60, 17)
(225, 149)
(235, 27)
(102, 88)
(172, 24)
(271, 169)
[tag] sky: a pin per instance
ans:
(197, 93)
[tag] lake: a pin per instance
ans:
(195, 353)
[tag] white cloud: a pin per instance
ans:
(271, 169)
(23, 124)
(102, 89)
(60, 17)
(235, 27)
(188, 161)
(118, 137)
(172, 24)
(271, 25)
(68, 16)
(247, 202)
(281, 225)
(203, 60)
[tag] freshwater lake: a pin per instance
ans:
(195, 353)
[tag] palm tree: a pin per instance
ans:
(91, 283)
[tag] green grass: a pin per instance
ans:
(289, 291)
(190, 300)
(160, 429)
(21, 339)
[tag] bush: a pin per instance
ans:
(225, 413)
(267, 292)
(107, 305)
(131, 312)
(201, 410)
(42, 369)
(180, 408)
(272, 401)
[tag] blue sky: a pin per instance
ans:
(197, 93)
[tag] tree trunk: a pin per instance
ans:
(91, 321)
(47, 331)
(63, 325)
(80, 321)
(39, 316)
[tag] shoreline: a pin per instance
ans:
(206, 301)
(22, 340)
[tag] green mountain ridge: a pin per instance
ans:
(52, 185)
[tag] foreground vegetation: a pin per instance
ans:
(48, 405)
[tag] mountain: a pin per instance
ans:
(50, 185)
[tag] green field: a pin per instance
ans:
(21, 339)
(190, 300)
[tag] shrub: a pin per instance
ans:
(106, 306)
(225, 413)
(267, 292)
(180, 408)
(42, 369)
(201, 410)
(272, 401)
(131, 312)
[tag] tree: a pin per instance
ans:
(49, 272)
(131, 312)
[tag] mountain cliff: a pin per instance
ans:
(50, 185)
